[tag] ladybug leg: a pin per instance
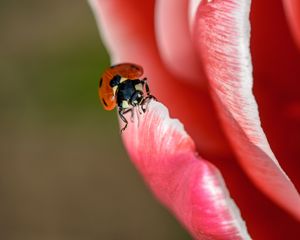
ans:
(149, 95)
(145, 102)
(131, 111)
(145, 83)
(132, 114)
(121, 114)
(140, 109)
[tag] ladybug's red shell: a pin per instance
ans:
(125, 70)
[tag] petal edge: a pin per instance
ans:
(192, 188)
(222, 33)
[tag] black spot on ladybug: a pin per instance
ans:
(115, 81)
(134, 67)
(100, 83)
(104, 102)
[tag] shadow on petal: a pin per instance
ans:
(292, 11)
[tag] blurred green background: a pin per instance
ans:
(64, 173)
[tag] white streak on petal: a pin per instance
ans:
(193, 7)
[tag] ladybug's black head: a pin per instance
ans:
(129, 93)
(136, 98)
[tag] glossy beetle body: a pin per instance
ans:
(120, 86)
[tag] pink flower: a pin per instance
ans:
(197, 58)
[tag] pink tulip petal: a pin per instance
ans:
(192, 188)
(292, 9)
(222, 37)
(276, 61)
(175, 43)
(192, 11)
(127, 28)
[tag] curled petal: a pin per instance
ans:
(292, 10)
(175, 43)
(126, 29)
(192, 188)
(221, 33)
(276, 61)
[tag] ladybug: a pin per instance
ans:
(121, 85)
